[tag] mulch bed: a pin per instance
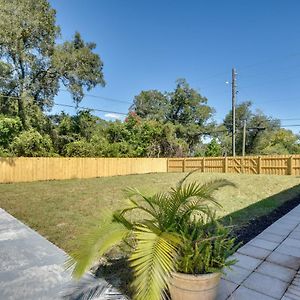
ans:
(257, 225)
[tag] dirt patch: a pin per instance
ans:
(257, 225)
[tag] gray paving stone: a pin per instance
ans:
(288, 298)
(257, 242)
(289, 250)
(295, 235)
(292, 292)
(279, 230)
(237, 274)
(297, 228)
(284, 260)
(286, 219)
(246, 262)
(271, 237)
(273, 270)
(242, 293)
(267, 285)
(291, 242)
(255, 252)
(225, 289)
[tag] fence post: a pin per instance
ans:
(203, 164)
(259, 165)
(225, 164)
(183, 165)
(290, 165)
(167, 164)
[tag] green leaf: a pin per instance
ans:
(153, 260)
(95, 244)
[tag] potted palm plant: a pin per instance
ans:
(177, 245)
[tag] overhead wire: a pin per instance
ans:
(74, 106)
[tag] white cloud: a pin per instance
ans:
(113, 116)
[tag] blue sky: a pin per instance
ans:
(149, 44)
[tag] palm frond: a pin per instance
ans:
(182, 181)
(153, 261)
(214, 185)
(95, 244)
(150, 202)
(89, 287)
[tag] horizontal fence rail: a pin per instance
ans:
(23, 169)
(270, 165)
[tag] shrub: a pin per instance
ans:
(80, 148)
(9, 128)
(32, 143)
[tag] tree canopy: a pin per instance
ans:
(33, 65)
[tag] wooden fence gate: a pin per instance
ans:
(271, 165)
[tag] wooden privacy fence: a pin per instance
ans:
(271, 165)
(22, 169)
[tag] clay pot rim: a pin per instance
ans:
(195, 277)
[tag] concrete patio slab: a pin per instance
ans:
(32, 268)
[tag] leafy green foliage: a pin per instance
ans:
(184, 108)
(157, 228)
(32, 143)
(31, 62)
(213, 148)
(255, 137)
(151, 105)
(79, 148)
(206, 246)
(9, 128)
(281, 141)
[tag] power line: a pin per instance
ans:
(271, 81)
(101, 97)
(92, 109)
(94, 96)
(74, 106)
(268, 60)
(291, 125)
(290, 119)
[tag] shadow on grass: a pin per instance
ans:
(253, 219)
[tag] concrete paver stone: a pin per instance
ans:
(267, 285)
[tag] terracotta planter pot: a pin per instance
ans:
(194, 287)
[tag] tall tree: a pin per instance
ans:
(184, 107)
(187, 106)
(151, 105)
(32, 65)
(258, 126)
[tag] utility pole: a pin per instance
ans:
(233, 86)
(244, 137)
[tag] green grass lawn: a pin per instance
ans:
(63, 210)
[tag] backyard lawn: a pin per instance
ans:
(63, 210)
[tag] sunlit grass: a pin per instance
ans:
(63, 210)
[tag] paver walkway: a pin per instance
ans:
(268, 266)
